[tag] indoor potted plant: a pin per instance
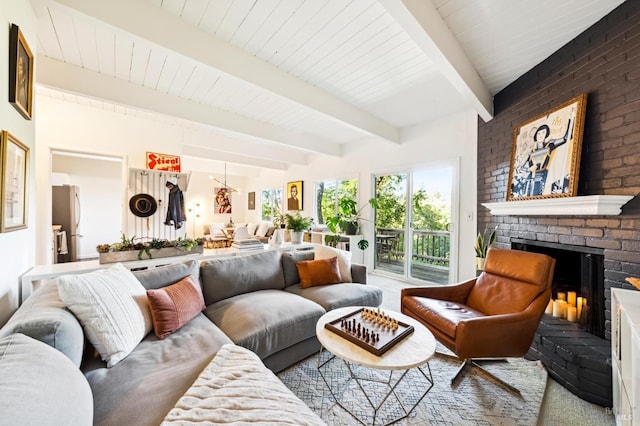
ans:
(481, 246)
(347, 221)
(133, 248)
(297, 224)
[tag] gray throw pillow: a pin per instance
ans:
(43, 316)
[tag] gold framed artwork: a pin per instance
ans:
(252, 201)
(20, 73)
(545, 158)
(294, 195)
(13, 183)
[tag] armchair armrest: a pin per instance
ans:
(358, 273)
(455, 293)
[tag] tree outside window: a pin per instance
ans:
(329, 192)
(271, 203)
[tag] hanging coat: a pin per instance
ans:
(176, 215)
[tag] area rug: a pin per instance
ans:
(475, 400)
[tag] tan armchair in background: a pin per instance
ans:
(494, 315)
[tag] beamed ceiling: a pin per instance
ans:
(274, 82)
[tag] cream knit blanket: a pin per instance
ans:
(236, 388)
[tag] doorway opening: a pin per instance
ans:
(86, 191)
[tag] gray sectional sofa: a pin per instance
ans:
(254, 301)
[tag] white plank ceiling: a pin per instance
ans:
(304, 76)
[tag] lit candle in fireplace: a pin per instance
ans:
(549, 309)
(571, 313)
(571, 298)
(579, 307)
(562, 295)
(558, 308)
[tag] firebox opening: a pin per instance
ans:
(578, 269)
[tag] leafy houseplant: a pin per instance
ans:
(297, 224)
(129, 244)
(347, 220)
(482, 245)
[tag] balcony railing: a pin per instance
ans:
(429, 247)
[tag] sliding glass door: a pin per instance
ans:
(414, 229)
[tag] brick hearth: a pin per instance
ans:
(579, 361)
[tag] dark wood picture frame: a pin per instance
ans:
(14, 157)
(20, 73)
(545, 158)
(295, 201)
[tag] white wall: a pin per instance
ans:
(16, 248)
(73, 127)
(452, 138)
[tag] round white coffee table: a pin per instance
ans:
(411, 353)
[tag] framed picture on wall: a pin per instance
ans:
(252, 201)
(20, 73)
(545, 158)
(294, 195)
(222, 200)
(13, 190)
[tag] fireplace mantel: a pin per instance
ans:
(600, 205)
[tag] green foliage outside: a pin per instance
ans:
(430, 213)
(328, 194)
(271, 205)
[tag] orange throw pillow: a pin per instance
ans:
(319, 272)
(175, 305)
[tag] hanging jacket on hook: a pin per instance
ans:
(176, 214)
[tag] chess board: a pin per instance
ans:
(384, 337)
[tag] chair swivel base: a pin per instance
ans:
(471, 363)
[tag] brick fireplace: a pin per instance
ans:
(604, 62)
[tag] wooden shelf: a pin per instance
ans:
(600, 205)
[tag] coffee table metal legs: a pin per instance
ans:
(338, 394)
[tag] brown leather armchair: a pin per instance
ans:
(494, 315)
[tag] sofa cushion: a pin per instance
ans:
(112, 306)
(230, 276)
(154, 376)
(289, 268)
(175, 305)
(263, 228)
(44, 317)
(252, 228)
(266, 321)
(344, 259)
(318, 272)
(39, 385)
(163, 276)
(339, 295)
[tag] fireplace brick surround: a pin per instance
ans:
(604, 62)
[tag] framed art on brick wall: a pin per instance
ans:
(545, 157)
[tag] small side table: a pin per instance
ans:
(412, 353)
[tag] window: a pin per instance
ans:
(329, 192)
(271, 203)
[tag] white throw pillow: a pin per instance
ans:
(262, 229)
(113, 308)
(252, 228)
(215, 229)
(344, 259)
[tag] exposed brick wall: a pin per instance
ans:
(604, 62)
